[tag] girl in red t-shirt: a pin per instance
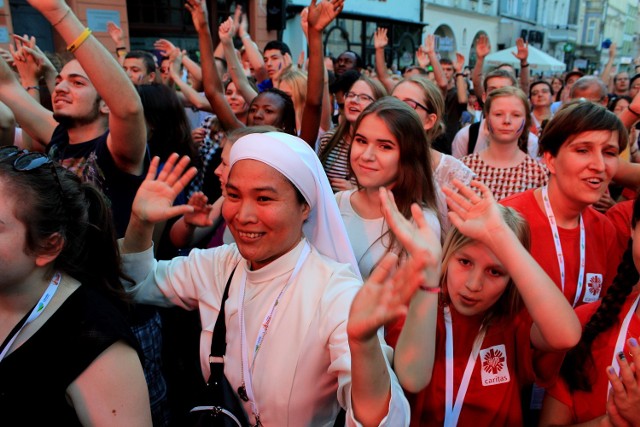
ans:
(597, 384)
(466, 347)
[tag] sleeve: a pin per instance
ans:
(336, 303)
(181, 281)
(432, 219)
(560, 391)
(460, 143)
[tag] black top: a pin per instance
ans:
(34, 378)
(92, 162)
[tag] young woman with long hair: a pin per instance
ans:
(389, 149)
(334, 145)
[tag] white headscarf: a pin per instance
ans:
(294, 159)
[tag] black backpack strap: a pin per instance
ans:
(474, 130)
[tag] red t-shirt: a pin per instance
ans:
(586, 406)
(505, 364)
(620, 216)
(602, 252)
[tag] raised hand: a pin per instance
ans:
(483, 47)
(116, 33)
(612, 51)
(154, 200)
(459, 64)
(323, 12)
(164, 46)
(6, 56)
(199, 14)
(384, 297)
(226, 31)
(304, 21)
(422, 57)
(522, 52)
(380, 39)
(417, 238)
(476, 216)
(430, 44)
(201, 215)
(241, 22)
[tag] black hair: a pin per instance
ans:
(288, 113)
(575, 366)
(169, 130)
(147, 59)
(277, 45)
(53, 201)
(359, 61)
(344, 81)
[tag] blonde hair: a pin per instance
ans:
(509, 302)
(297, 79)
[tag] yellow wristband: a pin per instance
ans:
(81, 38)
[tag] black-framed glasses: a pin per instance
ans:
(415, 105)
(359, 97)
(28, 160)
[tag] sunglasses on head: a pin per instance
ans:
(28, 160)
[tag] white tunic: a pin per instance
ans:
(304, 359)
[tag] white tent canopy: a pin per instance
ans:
(539, 61)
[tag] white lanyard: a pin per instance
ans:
(451, 409)
(558, 244)
(46, 297)
(622, 335)
(247, 387)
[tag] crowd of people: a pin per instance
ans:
(445, 246)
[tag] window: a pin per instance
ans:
(592, 23)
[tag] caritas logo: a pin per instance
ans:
(593, 288)
(494, 365)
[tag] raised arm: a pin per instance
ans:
(415, 350)
(320, 15)
(34, 119)
(37, 64)
(522, 54)
(191, 96)
(556, 326)
(483, 48)
(380, 42)
(606, 73)
(461, 82)
(210, 79)
(117, 35)
(127, 140)
(430, 49)
(253, 53)
(226, 31)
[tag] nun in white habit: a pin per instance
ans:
(289, 300)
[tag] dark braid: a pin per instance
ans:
(579, 359)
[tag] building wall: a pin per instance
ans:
(464, 24)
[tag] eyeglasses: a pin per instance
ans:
(359, 97)
(28, 161)
(415, 105)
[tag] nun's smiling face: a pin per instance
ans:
(263, 212)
